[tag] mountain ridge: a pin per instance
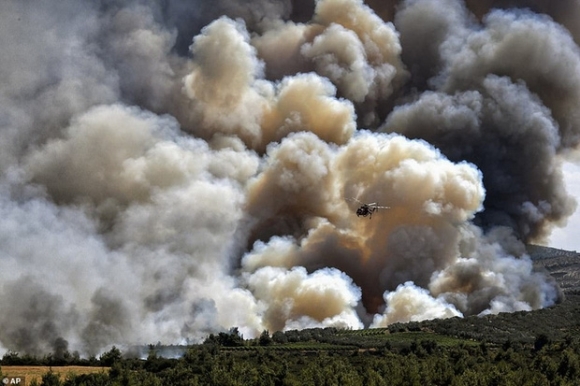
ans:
(562, 265)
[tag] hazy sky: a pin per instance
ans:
(569, 237)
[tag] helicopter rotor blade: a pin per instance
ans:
(354, 199)
(379, 206)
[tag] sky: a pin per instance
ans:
(567, 236)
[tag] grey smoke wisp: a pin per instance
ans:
(168, 171)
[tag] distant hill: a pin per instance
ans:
(563, 266)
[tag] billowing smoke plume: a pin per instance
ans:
(174, 170)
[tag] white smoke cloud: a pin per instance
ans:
(295, 299)
(359, 52)
(409, 303)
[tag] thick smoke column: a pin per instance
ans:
(174, 170)
(504, 100)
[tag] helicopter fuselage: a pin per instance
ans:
(366, 210)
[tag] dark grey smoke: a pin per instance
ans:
(108, 319)
(424, 28)
(33, 319)
(60, 348)
(502, 97)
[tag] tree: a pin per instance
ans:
(11, 358)
(231, 339)
(280, 337)
(235, 338)
(265, 338)
(50, 378)
(110, 357)
(541, 340)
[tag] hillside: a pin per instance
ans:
(564, 266)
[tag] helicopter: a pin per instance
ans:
(368, 209)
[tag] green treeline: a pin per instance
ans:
(398, 361)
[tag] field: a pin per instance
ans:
(36, 372)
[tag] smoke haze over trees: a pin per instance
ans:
(170, 171)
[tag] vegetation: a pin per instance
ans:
(525, 348)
